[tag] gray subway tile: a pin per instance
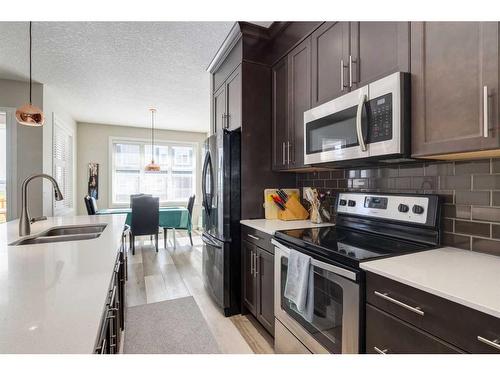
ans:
(450, 239)
(486, 214)
(473, 228)
(486, 182)
(411, 170)
(455, 182)
(481, 198)
(484, 245)
(472, 167)
(424, 183)
(439, 169)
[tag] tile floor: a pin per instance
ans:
(175, 272)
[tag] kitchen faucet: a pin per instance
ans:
(25, 221)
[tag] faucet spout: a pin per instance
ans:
(25, 220)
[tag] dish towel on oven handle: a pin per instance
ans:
(299, 287)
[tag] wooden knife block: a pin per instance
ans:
(294, 210)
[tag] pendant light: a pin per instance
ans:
(30, 114)
(152, 167)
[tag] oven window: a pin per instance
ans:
(333, 132)
(326, 323)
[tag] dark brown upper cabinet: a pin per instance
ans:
(455, 82)
(227, 103)
(291, 98)
(299, 100)
(378, 49)
(330, 59)
(219, 109)
(280, 114)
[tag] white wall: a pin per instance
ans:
(52, 107)
(93, 146)
(29, 145)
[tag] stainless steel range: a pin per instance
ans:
(368, 226)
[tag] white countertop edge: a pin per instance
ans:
(270, 226)
(451, 297)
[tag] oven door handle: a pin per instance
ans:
(328, 267)
(359, 114)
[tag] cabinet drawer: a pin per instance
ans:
(261, 239)
(386, 334)
(466, 328)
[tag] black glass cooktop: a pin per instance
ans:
(347, 246)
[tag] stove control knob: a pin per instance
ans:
(403, 208)
(342, 202)
(351, 203)
(417, 209)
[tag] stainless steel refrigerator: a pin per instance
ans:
(221, 219)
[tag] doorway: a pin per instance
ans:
(3, 167)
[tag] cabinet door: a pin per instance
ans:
(299, 100)
(265, 276)
(377, 50)
(233, 90)
(280, 115)
(249, 279)
(219, 108)
(452, 63)
(330, 53)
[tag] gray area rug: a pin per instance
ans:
(168, 327)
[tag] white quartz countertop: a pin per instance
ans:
(52, 295)
(465, 277)
(271, 226)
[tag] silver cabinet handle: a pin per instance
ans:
(254, 237)
(416, 310)
(343, 86)
(257, 256)
(380, 351)
(359, 131)
(485, 112)
(351, 61)
(284, 162)
(251, 262)
(288, 151)
(495, 343)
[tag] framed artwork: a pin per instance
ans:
(93, 181)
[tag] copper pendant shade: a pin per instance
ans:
(152, 167)
(30, 114)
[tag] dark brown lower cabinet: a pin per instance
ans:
(386, 334)
(113, 318)
(404, 319)
(258, 283)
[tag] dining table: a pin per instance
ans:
(169, 217)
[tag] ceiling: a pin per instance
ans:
(112, 72)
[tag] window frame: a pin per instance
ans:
(60, 125)
(144, 142)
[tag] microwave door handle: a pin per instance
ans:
(359, 131)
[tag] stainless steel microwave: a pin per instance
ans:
(371, 122)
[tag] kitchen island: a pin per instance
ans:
(52, 295)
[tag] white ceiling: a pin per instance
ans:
(112, 72)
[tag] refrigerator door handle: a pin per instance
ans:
(206, 165)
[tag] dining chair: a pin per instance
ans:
(145, 219)
(88, 205)
(187, 225)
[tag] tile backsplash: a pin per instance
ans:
(470, 192)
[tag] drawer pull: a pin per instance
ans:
(416, 310)
(380, 351)
(495, 343)
(254, 237)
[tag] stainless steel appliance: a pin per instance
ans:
(368, 226)
(221, 219)
(372, 122)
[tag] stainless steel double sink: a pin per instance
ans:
(63, 234)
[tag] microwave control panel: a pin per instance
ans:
(379, 111)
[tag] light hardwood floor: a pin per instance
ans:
(175, 272)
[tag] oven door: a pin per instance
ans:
(334, 327)
(337, 130)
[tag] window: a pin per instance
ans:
(62, 154)
(174, 183)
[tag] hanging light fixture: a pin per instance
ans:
(152, 167)
(30, 114)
